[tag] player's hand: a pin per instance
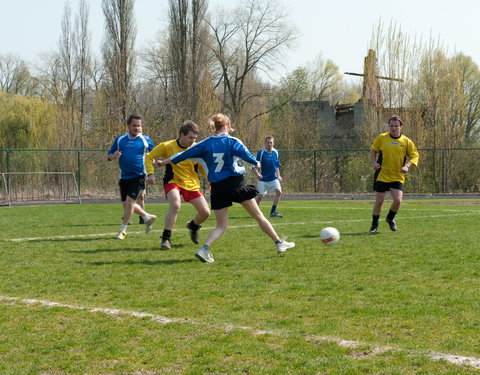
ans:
(404, 169)
(375, 166)
(116, 155)
(151, 179)
(280, 178)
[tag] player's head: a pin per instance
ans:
(187, 133)
(134, 124)
(395, 124)
(220, 123)
(269, 142)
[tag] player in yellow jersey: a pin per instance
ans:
(180, 180)
(391, 154)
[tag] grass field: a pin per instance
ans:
(73, 300)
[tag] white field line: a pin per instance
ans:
(473, 362)
(276, 224)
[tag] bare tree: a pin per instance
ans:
(247, 41)
(119, 52)
(187, 52)
(15, 76)
(325, 79)
(83, 59)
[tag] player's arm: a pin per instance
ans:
(412, 154)
(149, 161)
(113, 153)
(280, 178)
(373, 160)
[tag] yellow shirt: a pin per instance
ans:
(184, 174)
(393, 153)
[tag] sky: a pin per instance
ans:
(337, 30)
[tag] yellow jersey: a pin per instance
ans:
(184, 174)
(392, 156)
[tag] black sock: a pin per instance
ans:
(194, 226)
(391, 215)
(375, 220)
(167, 234)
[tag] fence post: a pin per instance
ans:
(314, 171)
(78, 174)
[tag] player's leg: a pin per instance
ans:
(203, 212)
(277, 190)
(377, 209)
(397, 196)
(221, 217)
(174, 204)
(251, 206)
(136, 189)
(261, 192)
(141, 203)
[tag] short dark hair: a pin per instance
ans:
(133, 117)
(396, 118)
(188, 126)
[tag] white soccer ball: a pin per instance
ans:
(329, 236)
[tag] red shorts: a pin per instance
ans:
(187, 195)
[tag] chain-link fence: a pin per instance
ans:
(304, 171)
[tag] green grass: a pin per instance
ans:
(407, 293)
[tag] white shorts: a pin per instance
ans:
(270, 186)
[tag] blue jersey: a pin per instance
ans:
(270, 162)
(133, 149)
(219, 155)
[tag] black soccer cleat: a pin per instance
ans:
(193, 229)
(140, 220)
(391, 224)
(373, 230)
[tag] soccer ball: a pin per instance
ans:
(330, 236)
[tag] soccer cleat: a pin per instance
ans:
(276, 214)
(149, 223)
(204, 255)
(193, 232)
(284, 245)
(165, 244)
(373, 230)
(140, 220)
(391, 224)
(121, 235)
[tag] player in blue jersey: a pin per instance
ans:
(269, 175)
(130, 149)
(220, 154)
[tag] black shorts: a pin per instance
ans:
(132, 187)
(382, 187)
(232, 189)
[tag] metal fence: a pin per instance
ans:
(304, 171)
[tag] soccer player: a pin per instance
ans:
(392, 149)
(269, 175)
(220, 154)
(180, 180)
(130, 149)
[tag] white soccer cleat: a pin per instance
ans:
(149, 223)
(121, 235)
(284, 245)
(204, 255)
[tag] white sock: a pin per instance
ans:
(123, 228)
(146, 217)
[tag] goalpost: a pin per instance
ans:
(38, 187)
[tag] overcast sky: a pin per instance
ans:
(338, 30)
